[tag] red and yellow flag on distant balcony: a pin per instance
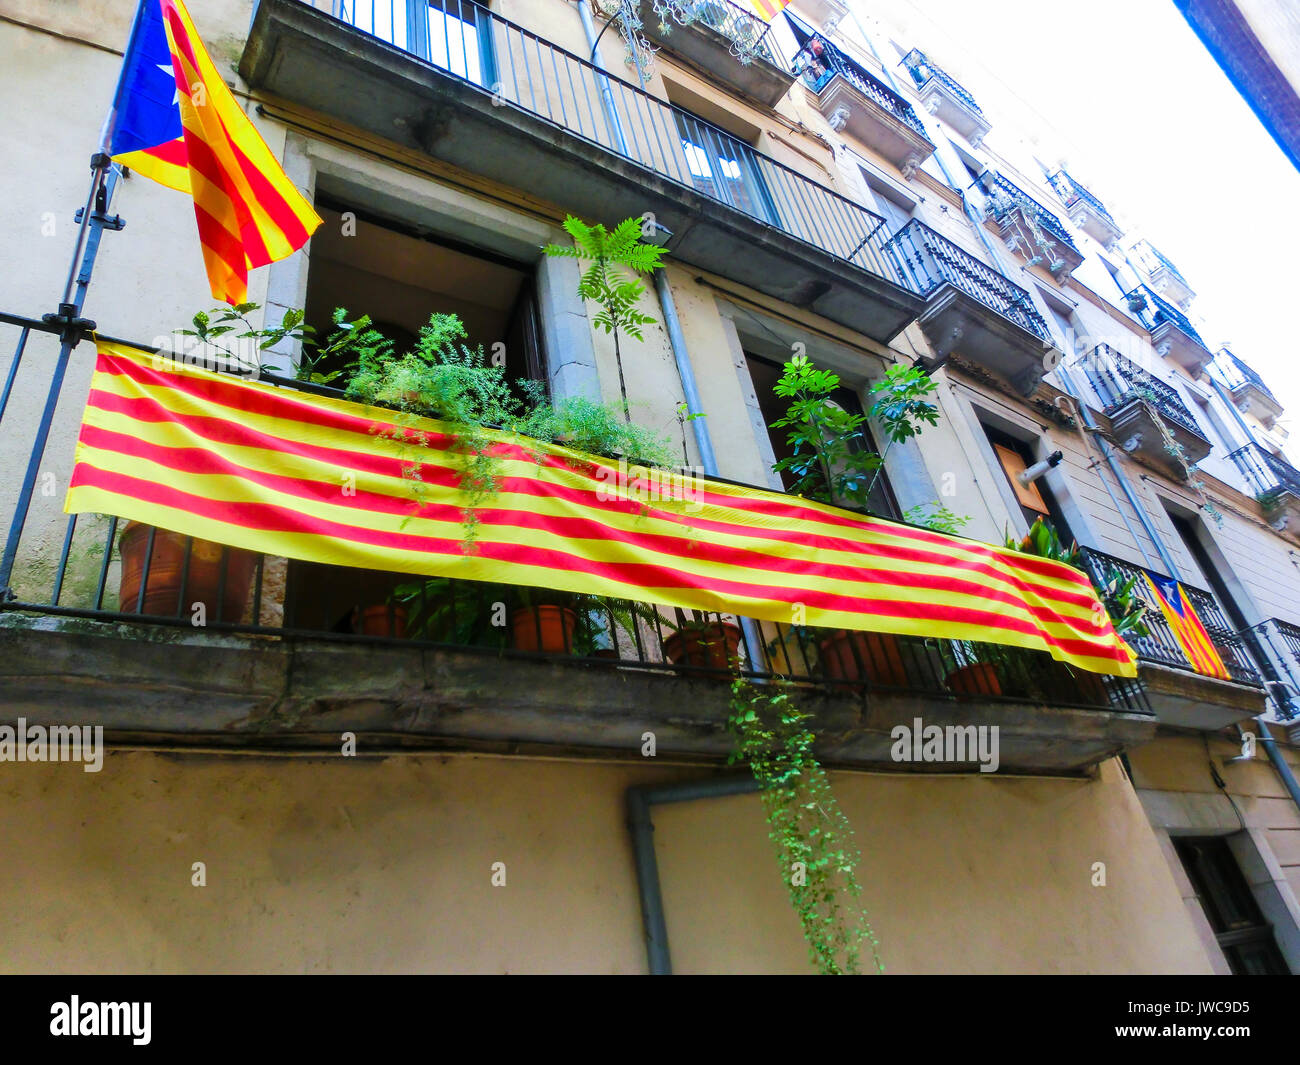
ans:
(175, 121)
(282, 472)
(1186, 626)
(767, 10)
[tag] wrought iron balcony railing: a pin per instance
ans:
(1283, 639)
(819, 61)
(1005, 192)
(1237, 374)
(749, 35)
(1153, 259)
(929, 259)
(101, 568)
(466, 41)
(1154, 311)
(1071, 192)
(1118, 381)
(922, 69)
(1160, 645)
(1267, 474)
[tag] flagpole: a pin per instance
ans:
(93, 220)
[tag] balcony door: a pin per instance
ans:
(725, 168)
(454, 35)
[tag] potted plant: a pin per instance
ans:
(703, 642)
(183, 571)
(830, 463)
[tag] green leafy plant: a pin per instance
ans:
(934, 515)
(811, 834)
(611, 281)
(1044, 541)
(1127, 610)
(831, 462)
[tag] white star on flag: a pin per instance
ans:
(167, 69)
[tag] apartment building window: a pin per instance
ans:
(452, 34)
(724, 167)
(399, 276)
(764, 374)
(1244, 936)
(1035, 499)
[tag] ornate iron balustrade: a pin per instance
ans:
(1283, 639)
(73, 566)
(1237, 374)
(999, 188)
(463, 40)
(1118, 381)
(1160, 645)
(922, 69)
(1154, 310)
(929, 259)
(1154, 255)
(1265, 472)
(1071, 192)
(749, 35)
(819, 61)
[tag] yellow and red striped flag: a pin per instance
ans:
(262, 468)
(175, 121)
(767, 10)
(1186, 626)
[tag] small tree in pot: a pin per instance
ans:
(832, 462)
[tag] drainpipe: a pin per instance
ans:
(606, 96)
(1279, 763)
(641, 826)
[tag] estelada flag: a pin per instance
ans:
(175, 121)
(1186, 625)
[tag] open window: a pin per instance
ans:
(1035, 498)
(399, 276)
(765, 375)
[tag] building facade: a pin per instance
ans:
(821, 187)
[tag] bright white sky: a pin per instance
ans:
(1125, 94)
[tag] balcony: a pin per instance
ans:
(98, 624)
(1020, 220)
(1087, 213)
(973, 309)
(1283, 639)
(1249, 393)
(1145, 412)
(946, 98)
(495, 100)
(1276, 484)
(1171, 332)
(730, 44)
(1180, 696)
(1162, 275)
(860, 104)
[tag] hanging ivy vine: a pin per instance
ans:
(812, 835)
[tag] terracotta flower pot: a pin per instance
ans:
(380, 620)
(979, 678)
(715, 646)
(851, 656)
(544, 628)
(169, 577)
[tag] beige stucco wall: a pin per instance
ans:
(334, 865)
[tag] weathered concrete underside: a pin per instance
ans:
(183, 687)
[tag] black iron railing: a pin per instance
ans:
(1153, 259)
(819, 62)
(922, 69)
(929, 259)
(1004, 193)
(1153, 310)
(1160, 645)
(520, 69)
(1283, 640)
(100, 567)
(1071, 192)
(1119, 381)
(1237, 374)
(749, 35)
(1267, 473)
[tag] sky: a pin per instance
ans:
(1125, 94)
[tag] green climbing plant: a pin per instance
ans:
(812, 836)
(617, 257)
